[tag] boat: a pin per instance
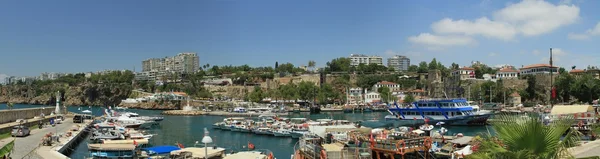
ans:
(296, 134)
(112, 150)
(120, 108)
(450, 111)
(243, 128)
(263, 131)
(158, 151)
(217, 125)
(98, 136)
(281, 133)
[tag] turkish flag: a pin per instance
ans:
(553, 92)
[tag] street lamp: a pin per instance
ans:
(206, 140)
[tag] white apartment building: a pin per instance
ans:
(464, 73)
(538, 69)
(182, 62)
(399, 63)
(357, 59)
(372, 97)
(391, 85)
(155, 68)
(507, 72)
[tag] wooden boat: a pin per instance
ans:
(112, 150)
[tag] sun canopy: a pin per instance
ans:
(571, 109)
(161, 149)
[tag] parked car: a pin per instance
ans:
(20, 131)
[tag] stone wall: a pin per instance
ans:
(7, 116)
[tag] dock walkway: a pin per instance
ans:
(25, 146)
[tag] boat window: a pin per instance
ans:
(431, 104)
(438, 113)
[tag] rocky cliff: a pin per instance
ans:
(82, 94)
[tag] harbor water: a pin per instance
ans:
(189, 129)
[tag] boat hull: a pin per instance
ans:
(281, 134)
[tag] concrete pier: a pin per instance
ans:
(30, 146)
(67, 144)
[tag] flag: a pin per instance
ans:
(553, 92)
(426, 120)
(250, 146)
(135, 143)
(180, 145)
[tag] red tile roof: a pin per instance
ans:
(538, 65)
(466, 68)
(386, 83)
(576, 71)
(508, 70)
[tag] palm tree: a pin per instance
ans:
(528, 138)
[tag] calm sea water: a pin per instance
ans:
(189, 129)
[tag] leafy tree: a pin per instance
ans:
(341, 64)
(409, 98)
(307, 90)
(433, 65)
(289, 91)
(423, 67)
(413, 68)
(563, 86)
(285, 68)
(454, 66)
(257, 95)
(531, 87)
(385, 93)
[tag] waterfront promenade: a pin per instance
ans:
(25, 146)
(589, 149)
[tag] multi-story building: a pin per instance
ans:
(538, 69)
(182, 62)
(399, 63)
(464, 73)
(391, 85)
(507, 72)
(155, 68)
(357, 59)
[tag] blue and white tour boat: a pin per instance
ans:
(449, 111)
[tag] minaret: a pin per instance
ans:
(57, 109)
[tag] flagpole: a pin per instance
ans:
(551, 83)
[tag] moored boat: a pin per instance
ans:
(263, 131)
(281, 133)
(450, 111)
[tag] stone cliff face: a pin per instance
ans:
(83, 94)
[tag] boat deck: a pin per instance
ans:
(246, 155)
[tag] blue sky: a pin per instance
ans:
(79, 36)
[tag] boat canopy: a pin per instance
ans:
(161, 149)
(571, 109)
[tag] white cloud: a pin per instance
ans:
(583, 36)
(528, 18)
(492, 54)
(482, 26)
(535, 17)
(439, 41)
